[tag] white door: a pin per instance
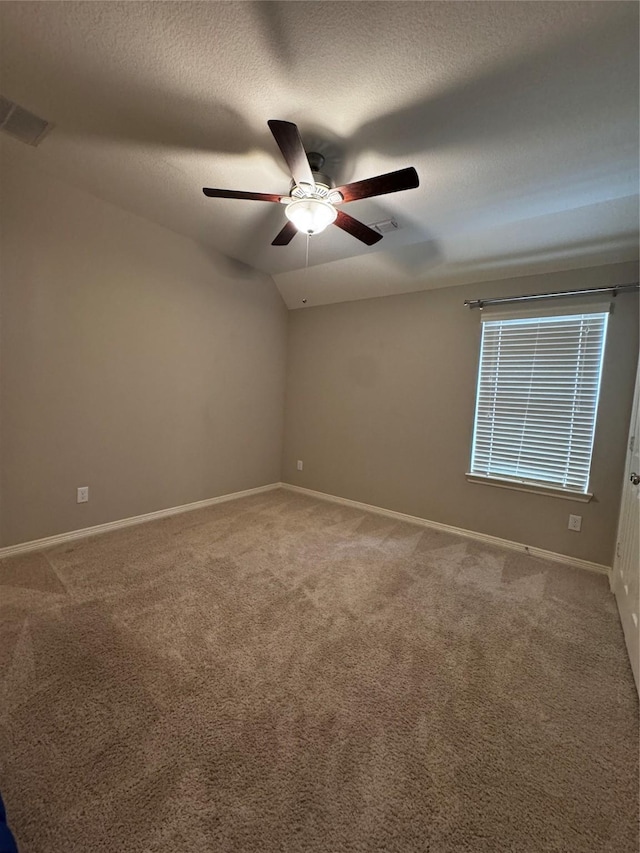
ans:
(626, 564)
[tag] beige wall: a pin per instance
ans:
(133, 361)
(146, 367)
(380, 401)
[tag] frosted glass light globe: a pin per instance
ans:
(311, 215)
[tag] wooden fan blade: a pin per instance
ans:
(392, 182)
(286, 235)
(357, 229)
(287, 136)
(238, 194)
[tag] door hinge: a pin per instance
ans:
(618, 554)
(632, 443)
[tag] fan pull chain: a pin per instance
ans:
(306, 268)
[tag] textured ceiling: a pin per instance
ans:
(521, 119)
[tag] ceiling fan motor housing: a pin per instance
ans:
(323, 188)
(316, 161)
(323, 183)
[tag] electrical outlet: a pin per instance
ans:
(575, 523)
(83, 494)
(299, 464)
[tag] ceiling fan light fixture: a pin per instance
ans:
(311, 215)
(311, 203)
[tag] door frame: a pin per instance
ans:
(614, 575)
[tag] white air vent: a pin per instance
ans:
(21, 124)
(386, 226)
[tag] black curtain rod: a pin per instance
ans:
(500, 300)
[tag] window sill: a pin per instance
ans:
(537, 488)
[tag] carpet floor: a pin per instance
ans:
(280, 673)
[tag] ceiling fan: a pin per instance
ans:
(312, 201)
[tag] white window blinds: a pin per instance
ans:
(537, 398)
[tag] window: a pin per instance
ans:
(537, 399)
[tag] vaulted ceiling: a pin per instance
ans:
(521, 119)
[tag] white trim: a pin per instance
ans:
(526, 486)
(459, 531)
(61, 538)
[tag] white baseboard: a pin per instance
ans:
(459, 531)
(61, 538)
